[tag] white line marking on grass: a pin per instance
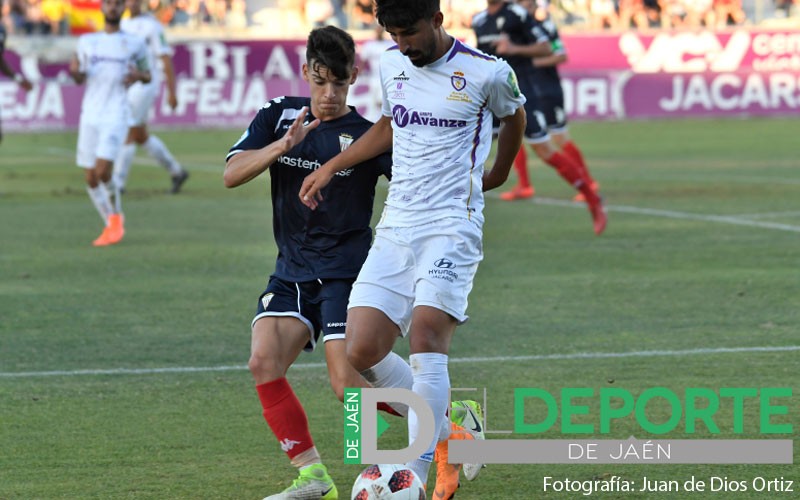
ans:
(672, 214)
(767, 215)
(148, 162)
(486, 359)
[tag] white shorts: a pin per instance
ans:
(429, 265)
(99, 140)
(140, 99)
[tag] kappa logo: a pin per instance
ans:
(287, 444)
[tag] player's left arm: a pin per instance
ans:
(18, 77)
(557, 56)
(509, 140)
(165, 54)
(140, 70)
(506, 102)
(551, 60)
(169, 78)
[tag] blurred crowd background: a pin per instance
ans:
(293, 18)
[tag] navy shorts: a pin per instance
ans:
(536, 126)
(320, 304)
(553, 108)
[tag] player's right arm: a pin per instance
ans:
(376, 140)
(245, 166)
(77, 70)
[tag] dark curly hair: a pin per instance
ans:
(332, 48)
(404, 13)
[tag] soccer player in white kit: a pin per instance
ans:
(438, 99)
(108, 61)
(142, 96)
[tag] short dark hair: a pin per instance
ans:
(332, 48)
(404, 13)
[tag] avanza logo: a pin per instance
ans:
(403, 117)
(685, 52)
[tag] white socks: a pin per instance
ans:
(432, 382)
(156, 148)
(101, 201)
(391, 372)
(122, 165)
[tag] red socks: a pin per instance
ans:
(569, 170)
(571, 150)
(285, 416)
(384, 407)
(521, 167)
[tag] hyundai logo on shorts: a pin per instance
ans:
(444, 264)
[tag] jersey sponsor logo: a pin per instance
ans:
(96, 59)
(403, 117)
(291, 161)
(445, 263)
(444, 270)
(287, 444)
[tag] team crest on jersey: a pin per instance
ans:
(458, 81)
(345, 140)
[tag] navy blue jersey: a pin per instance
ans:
(514, 21)
(546, 79)
(333, 240)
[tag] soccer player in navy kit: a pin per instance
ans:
(319, 252)
(505, 29)
(550, 94)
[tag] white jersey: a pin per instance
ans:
(106, 58)
(442, 124)
(148, 27)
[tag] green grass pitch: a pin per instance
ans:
(122, 370)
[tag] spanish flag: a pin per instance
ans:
(85, 16)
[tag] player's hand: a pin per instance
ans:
(311, 190)
(502, 46)
(172, 100)
(297, 131)
(131, 78)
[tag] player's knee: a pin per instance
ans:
(361, 356)
(265, 368)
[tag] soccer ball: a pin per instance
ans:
(388, 482)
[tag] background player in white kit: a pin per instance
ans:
(141, 97)
(108, 61)
(438, 99)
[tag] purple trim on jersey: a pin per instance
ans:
(476, 141)
(460, 48)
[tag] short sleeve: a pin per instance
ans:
(261, 131)
(504, 94)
